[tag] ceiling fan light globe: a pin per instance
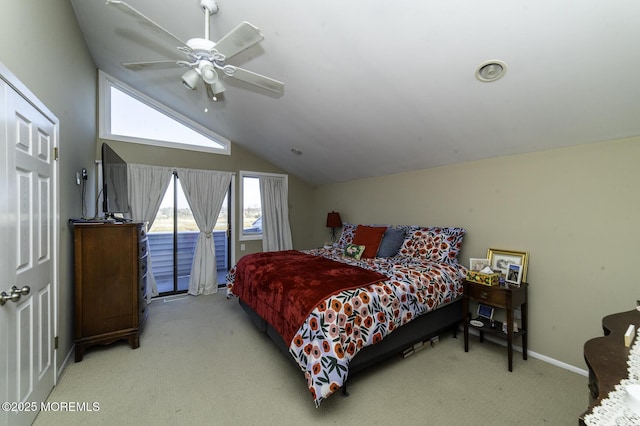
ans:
(190, 79)
(218, 87)
(209, 75)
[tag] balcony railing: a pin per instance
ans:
(161, 249)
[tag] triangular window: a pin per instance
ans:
(128, 115)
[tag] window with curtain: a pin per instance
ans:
(264, 210)
(274, 194)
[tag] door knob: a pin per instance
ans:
(15, 295)
(22, 291)
(4, 297)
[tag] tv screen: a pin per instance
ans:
(114, 179)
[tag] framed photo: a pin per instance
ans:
(499, 260)
(476, 264)
(514, 274)
(485, 311)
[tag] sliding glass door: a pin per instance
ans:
(172, 240)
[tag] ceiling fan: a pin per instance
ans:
(205, 57)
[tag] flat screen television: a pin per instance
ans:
(115, 193)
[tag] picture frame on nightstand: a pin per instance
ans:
(514, 274)
(476, 264)
(499, 260)
(485, 311)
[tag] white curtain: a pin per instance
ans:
(276, 232)
(205, 191)
(147, 186)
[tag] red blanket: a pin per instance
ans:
(283, 287)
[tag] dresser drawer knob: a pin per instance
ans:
(484, 295)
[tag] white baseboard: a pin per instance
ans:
(533, 354)
(60, 370)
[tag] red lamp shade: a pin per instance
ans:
(333, 220)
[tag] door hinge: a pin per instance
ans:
(55, 153)
(55, 342)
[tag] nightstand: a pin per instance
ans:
(507, 298)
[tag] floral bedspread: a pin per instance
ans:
(344, 323)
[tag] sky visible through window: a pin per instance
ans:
(130, 117)
(251, 192)
(251, 205)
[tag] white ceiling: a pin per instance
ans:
(374, 88)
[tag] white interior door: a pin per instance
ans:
(28, 135)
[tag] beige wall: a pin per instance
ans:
(42, 45)
(574, 210)
(300, 193)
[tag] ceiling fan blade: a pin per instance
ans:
(250, 77)
(238, 39)
(124, 7)
(138, 66)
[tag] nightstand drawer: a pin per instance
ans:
(488, 295)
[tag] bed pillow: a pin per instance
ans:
(434, 244)
(353, 251)
(346, 238)
(391, 242)
(369, 237)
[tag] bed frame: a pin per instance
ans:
(421, 329)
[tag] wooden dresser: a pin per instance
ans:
(110, 267)
(607, 356)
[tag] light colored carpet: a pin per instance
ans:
(202, 362)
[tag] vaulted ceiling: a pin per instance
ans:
(374, 88)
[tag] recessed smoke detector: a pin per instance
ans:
(491, 71)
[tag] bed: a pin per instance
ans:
(337, 310)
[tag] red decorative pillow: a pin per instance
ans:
(369, 237)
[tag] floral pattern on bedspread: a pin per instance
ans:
(344, 323)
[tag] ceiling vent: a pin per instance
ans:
(491, 71)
